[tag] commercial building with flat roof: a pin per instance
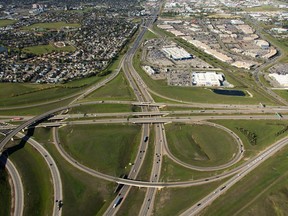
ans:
(207, 78)
(282, 79)
(176, 53)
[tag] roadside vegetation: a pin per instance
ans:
(173, 201)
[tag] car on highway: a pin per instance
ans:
(146, 138)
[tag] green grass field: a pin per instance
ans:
(173, 201)
(266, 132)
(44, 49)
(5, 193)
(36, 180)
(172, 172)
(117, 89)
(83, 194)
(5, 22)
(106, 148)
(52, 25)
(261, 193)
(200, 145)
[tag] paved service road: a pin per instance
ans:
(18, 191)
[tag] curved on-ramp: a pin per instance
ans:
(55, 174)
(18, 191)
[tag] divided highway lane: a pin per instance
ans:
(55, 174)
(244, 170)
(148, 204)
(112, 210)
(18, 205)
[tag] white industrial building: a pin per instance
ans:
(282, 79)
(207, 78)
(176, 53)
(149, 70)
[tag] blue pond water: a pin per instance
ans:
(2, 49)
(229, 92)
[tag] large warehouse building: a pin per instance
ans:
(207, 78)
(282, 79)
(176, 53)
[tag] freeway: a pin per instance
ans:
(136, 166)
(18, 191)
(140, 95)
(163, 120)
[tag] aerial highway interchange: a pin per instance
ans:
(150, 117)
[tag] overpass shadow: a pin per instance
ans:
(10, 150)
